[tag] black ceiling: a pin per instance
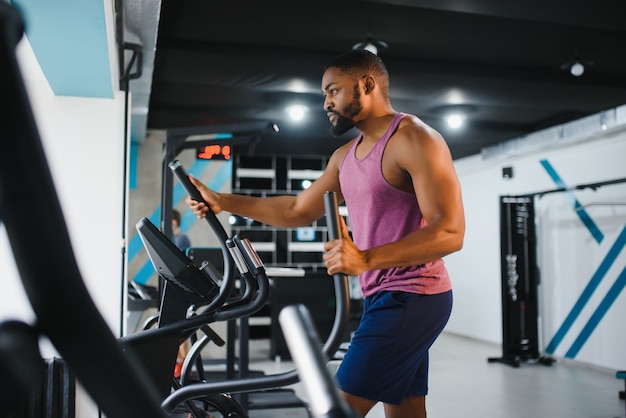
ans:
(222, 62)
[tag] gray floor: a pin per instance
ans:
(464, 384)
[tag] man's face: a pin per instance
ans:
(342, 100)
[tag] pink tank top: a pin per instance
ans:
(379, 213)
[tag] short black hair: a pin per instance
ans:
(360, 62)
(176, 216)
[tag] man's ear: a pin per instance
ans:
(369, 84)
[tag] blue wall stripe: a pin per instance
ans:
(144, 274)
(582, 214)
(135, 244)
(196, 169)
(593, 322)
(588, 291)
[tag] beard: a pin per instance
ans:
(342, 125)
(345, 119)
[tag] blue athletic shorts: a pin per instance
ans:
(387, 359)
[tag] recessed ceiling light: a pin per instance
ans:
(297, 112)
(454, 115)
(454, 120)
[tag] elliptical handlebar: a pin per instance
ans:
(342, 314)
(229, 266)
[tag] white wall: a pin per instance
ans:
(83, 140)
(475, 270)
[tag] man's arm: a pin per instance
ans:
(281, 211)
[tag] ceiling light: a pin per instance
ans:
(297, 112)
(370, 45)
(371, 48)
(576, 67)
(454, 115)
(454, 120)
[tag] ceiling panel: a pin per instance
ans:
(238, 61)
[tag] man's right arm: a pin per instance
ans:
(281, 211)
(275, 210)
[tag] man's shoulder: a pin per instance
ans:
(415, 137)
(414, 121)
(412, 127)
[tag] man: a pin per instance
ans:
(406, 213)
(181, 239)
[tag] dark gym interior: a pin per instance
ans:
(505, 65)
(511, 69)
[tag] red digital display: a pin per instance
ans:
(214, 152)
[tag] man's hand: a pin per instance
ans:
(342, 255)
(210, 197)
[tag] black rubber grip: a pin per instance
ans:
(332, 215)
(182, 176)
(180, 173)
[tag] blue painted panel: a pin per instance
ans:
(69, 40)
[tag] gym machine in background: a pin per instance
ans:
(520, 278)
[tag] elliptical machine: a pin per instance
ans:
(187, 284)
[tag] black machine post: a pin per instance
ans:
(520, 279)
